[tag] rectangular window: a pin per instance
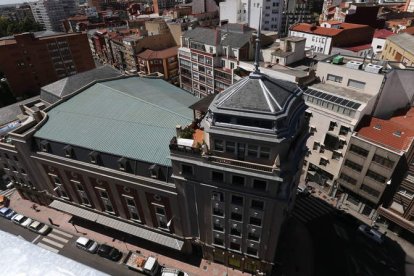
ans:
(235, 246)
(217, 176)
(217, 196)
(218, 212)
(359, 150)
(230, 147)
(253, 236)
(332, 125)
(235, 232)
(356, 84)
(344, 130)
(334, 78)
(218, 226)
(218, 241)
(383, 161)
(352, 165)
(264, 152)
(376, 176)
(336, 155)
(251, 251)
(257, 204)
(160, 210)
(252, 150)
(186, 169)
(236, 216)
(218, 145)
(348, 179)
(331, 142)
(259, 184)
(237, 180)
(237, 200)
(370, 190)
(323, 161)
(255, 221)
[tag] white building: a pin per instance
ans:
(349, 89)
(378, 42)
(49, 13)
(248, 12)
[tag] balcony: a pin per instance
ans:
(238, 163)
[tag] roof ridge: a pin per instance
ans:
(139, 99)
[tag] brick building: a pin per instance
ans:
(32, 60)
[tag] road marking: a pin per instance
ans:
(44, 246)
(53, 243)
(33, 241)
(62, 233)
(57, 238)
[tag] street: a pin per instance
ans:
(321, 240)
(63, 243)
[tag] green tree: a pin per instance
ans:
(8, 27)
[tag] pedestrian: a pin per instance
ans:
(51, 221)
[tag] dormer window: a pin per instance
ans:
(94, 157)
(397, 133)
(154, 171)
(123, 164)
(377, 127)
(44, 146)
(69, 152)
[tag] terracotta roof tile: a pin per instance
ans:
(382, 33)
(359, 47)
(396, 133)
(309, 28)
(150, 54)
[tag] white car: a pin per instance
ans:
(21, 220)
(372, 233)
(172, 272)
(86, 244)
(39, 228)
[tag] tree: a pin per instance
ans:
(8, 27)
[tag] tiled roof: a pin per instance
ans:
(359, 47)
(166, 53)
(396, 133)
(133, 117)
(309, 28)
(404, 40)
(382, 33)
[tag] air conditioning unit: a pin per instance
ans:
(354, 64)
(373, 68)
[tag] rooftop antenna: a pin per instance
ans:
(257, 54)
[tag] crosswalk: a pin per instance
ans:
(55, 240)
(8, 192)
(309, 208)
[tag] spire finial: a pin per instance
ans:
(257, 54)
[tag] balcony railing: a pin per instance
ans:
(239, 163)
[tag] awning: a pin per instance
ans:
(125, 227)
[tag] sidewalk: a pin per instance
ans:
(61, 221)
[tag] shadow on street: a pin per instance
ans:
(320, 240)
(156, 248)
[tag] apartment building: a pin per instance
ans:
(249, 12)
(399, 48)
(222, 183)
(160, 5)
(32, 60)
(164, 62)
(241, 168)
(321, 39)
(349, 89)
(49, 13)
(207, 57)
(375, 162)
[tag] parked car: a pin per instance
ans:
(39, 227)
(7, 212)
(21, 220)
(109, 252)
(172, 272)
(87, 244)
(371, 233)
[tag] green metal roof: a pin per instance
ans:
(133, 117)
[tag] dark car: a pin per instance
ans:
(109, 252)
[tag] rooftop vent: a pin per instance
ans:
(378, 126)
(354, 64)
(373, 68)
